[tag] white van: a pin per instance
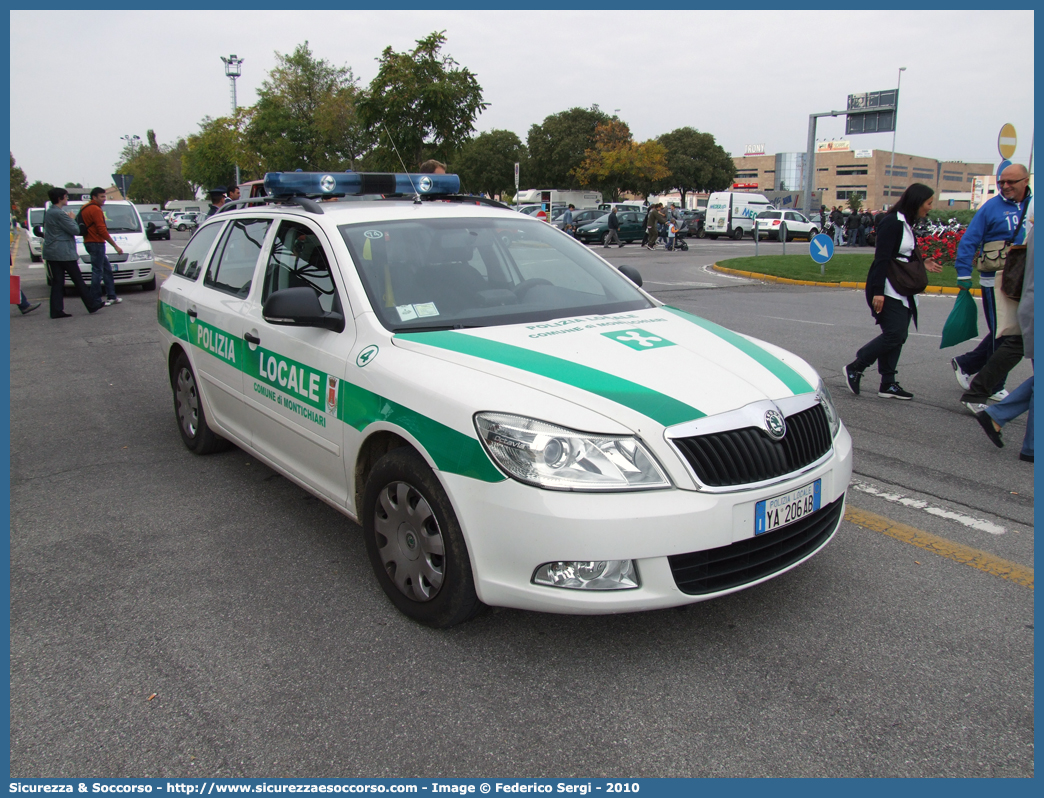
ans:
(136, 265)
(581, 199)
(732, 213)
(187, 206)
(34, 217)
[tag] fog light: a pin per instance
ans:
(596, 575)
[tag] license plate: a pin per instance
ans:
(787, 508)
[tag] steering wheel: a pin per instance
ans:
(523, 287)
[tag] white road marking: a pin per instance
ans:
(801, 321)
(919, 504)
(684, 285)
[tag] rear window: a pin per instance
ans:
(770, 215)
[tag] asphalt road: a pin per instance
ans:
(173, 615)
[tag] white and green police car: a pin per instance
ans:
(511, 420)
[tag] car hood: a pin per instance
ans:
(660, 366)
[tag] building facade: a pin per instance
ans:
(843, 172)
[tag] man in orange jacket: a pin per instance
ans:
(94, 242)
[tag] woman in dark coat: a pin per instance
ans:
(891, 310)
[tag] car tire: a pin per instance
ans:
(197, 435)
(812, 233)
(415, 543)
(737, 233)
(35, 258)
(701, 233)
(150, 285)
(181, 228)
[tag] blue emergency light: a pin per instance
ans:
(338, 184)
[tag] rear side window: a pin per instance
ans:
(298, 259)
(195, 254)
(232, 270)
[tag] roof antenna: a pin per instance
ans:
(416, 194)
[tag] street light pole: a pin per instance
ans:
(895, 124)
(130, 140)
(233, 69)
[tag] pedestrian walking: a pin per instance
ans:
(999, 223)
(837, 218)
(94, 242)
(892, 310)
(613, 223)
(652, 220)
(59, 250)
(1019, 401)
(852, 228)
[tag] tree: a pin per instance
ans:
(487, 162)
(36, 195)
(156, 171)
(854, 202)
(209, 156)
(558, 145)
(616, 162)
(421, 101)
(19, 185)
(696, 162)
(305, 118)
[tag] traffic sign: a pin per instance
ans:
(1002, 166)
(122, 182)
(1006, 141)
(516, 177)
(821, 248)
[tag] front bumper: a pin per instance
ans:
(511, 529)
(123, 273)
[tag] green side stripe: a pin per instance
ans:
(452, 451)
(662, 409)
(794, 381)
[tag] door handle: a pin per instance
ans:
(193, 314)
(251, 339)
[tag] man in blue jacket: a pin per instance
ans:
(1000, 219)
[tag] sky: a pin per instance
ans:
(747, 77)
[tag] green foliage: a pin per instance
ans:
(209, 156)
(854, 202)
(424, 101)
(487, 162)
(945, 214)
(696, 163)
(19, 185)
(558, 146)
(157, 171)
(617, 163)
(36, 195)
(305, 118)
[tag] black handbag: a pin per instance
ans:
(908, 277)
(1014, 272)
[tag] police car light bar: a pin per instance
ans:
(336, 184)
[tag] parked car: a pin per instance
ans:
(581, 217)
(136, 264)
(511, 421)
(34, 219)
(694, 224)
(155, 225)
(794, 223)
(185, 221)
(631, 229)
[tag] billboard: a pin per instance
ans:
(871, 112)
(833, 146)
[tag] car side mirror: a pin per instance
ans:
(150, 227)
(631, 274)
(38, 231)
(299, 307)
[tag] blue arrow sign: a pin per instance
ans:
(821, 248)
(1003, 165)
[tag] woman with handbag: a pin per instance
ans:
(897, 275)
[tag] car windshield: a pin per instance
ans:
(36, 216)
(151, 216)
(118, 218)
(436, 274)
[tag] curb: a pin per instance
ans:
(932, 289)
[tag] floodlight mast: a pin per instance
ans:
(810, 158)
(233, 69)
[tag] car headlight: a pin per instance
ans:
(825, 399)
(550, 456)
(143, 255)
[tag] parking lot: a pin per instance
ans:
(173, 615)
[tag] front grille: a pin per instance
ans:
(744, 456)
(749, 560)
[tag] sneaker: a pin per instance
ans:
(975, 407)
(893, 391)
(964, 380)
(1001, 394)
(1026, 458)
(852, 377)
(30, 308)
(991, 432)
(114, 300)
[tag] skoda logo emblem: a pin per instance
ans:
(425, 184)
(775, 424)
(327, 183)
